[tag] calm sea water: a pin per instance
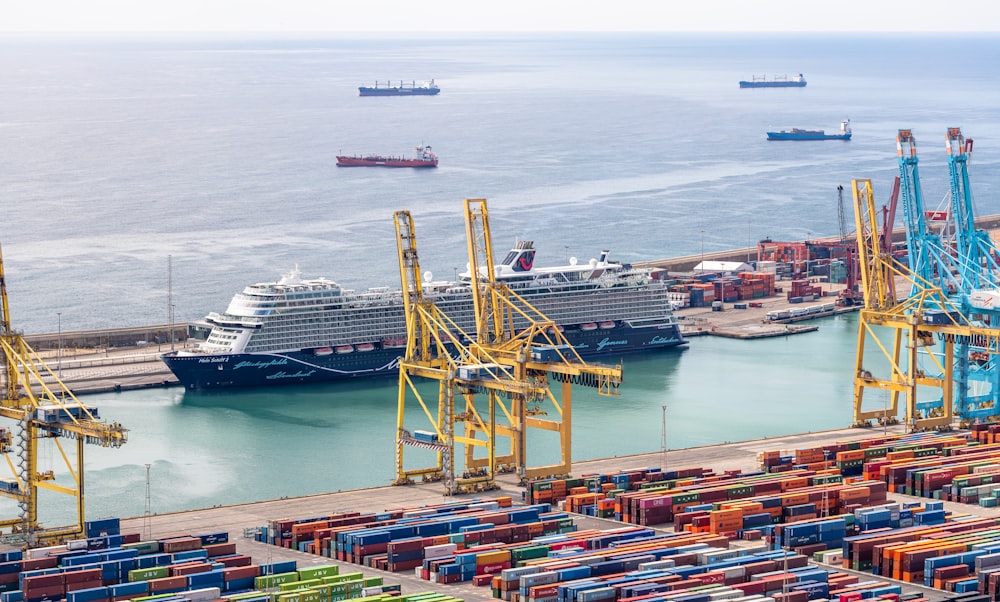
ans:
(143, 173)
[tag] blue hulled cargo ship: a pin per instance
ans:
(300, 330)
(778, 82)
(800, 134)
(388, 88)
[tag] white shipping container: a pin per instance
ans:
(767, 267)
(205, 594)
(444, 549)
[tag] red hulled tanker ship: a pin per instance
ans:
(424, 158)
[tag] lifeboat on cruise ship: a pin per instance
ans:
(394, 343)
(323, 351)
(365, 347)
(606, 325)
(588, 326)
(345, 349)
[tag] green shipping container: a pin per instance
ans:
(684, 498)
(355, 576)
(269, 581)
(290, 586)
(876, 452)
(316, 572)
(528, 552)
(742, 491)
(313, 596)
(155, 572)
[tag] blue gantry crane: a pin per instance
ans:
(979, 293)
(948, 253)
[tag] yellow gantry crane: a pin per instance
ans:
(42, 414)
(904, 332)
(493, 382)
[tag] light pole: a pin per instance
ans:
(59, 348)
(702, 250)
(663, 439)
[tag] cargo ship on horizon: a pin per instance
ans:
(800, 134)
(388, 88)
(424, 158)
(299, 330)
(798, 81)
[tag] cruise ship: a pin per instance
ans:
(299, 330)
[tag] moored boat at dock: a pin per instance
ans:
(424, 158)
(299, 330)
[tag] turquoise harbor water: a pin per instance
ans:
(215, 157)
(219, 447)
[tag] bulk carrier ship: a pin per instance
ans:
(389, 88)
(777, 82)
(312, 330)
(801, 134)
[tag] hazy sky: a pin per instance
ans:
(501, 15)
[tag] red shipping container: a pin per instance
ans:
(84, 575)
(240, 572)
(796, 596)
(34, 564)
(131, 537)
(179, 544)
(78, 585)
(750, 587)
(166, 584)
(189, 568)
(234, 561)
(220, 549)
(44, 580)
(54, 592)
(711, 577)
(543, 591)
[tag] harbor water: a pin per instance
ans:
(222, 447)
(148, 180)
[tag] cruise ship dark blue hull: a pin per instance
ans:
(207, 371)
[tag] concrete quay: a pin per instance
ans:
(87, 371)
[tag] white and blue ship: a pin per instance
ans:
(778, 82)
(800, 134)
(299, 330)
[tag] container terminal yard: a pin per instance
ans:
(244, 529)
(826, 490)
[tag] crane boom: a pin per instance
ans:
(42, 413)
(492, 384)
